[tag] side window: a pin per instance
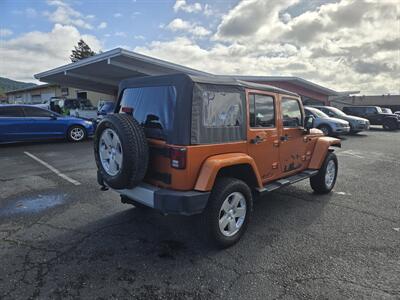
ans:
(291, 113)
(262, 111)
(11, 112)
(222, 108)
(370, 110)
(36, 112)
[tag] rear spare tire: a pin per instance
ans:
(121, 151)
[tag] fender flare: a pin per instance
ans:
(321, 148)
(213, 164)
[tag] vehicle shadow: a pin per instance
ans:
(132, 246)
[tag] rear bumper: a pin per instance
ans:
(167, 201)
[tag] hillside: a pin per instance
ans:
(9, 85)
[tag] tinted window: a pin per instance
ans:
(36, 112)
(291, 113)
(153, 107)
(11, 111)
(222, 108)
(262, 111)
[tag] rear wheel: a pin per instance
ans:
(325, 180)
(76, 133)
(327, 131)
(228, 212)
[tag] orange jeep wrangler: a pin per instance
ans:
(209, 145)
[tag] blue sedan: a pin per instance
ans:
(27, 123)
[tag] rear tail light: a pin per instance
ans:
(178, 158)
(127, 110)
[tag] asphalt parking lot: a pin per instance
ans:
(61, 237)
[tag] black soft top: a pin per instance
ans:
(182, 81)
(187, 127)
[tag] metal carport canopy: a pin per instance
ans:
(103, 72)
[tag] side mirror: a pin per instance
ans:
(309, 122)
(53, 117)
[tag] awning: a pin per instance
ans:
(103, 72)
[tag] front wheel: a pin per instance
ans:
(326, 130)
(76, 133)
(389, 125)
(228, 212)
(325, 180)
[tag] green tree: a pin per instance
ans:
(81, 51)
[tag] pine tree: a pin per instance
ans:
(81, 51)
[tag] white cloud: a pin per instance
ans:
(117, 15)
(4, 32)
(37, 51)
(102, 25)
(139, 37)
(185, 26)
(348, 45)
(29, 12)
(66, 15)
(208, 11)
(189, 8)
(120, 34)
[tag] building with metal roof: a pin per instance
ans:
(103, 72)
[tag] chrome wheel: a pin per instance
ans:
(77, 134)
(232, 214)
(110, 150)
(330, 174)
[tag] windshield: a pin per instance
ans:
(317, 113)
(337, 111)
(153, 107)
(107, 107)
(387, 110)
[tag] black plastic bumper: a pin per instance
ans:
(180, 203)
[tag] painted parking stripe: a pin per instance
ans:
(51, 168)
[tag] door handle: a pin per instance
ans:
(284, 138)
(257, 140)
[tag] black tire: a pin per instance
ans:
(72, 137)
(318, 183)
(223, 188)
(326, 129)
(135, 151)
(390, 125)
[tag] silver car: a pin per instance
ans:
(357, 124)
(329, 126)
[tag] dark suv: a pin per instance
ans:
(375, 115)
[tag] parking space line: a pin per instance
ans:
(51, 168)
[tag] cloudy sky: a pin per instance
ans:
(343, 44)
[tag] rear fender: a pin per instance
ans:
(214, 164)
(321, 149)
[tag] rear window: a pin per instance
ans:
(153, 107)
